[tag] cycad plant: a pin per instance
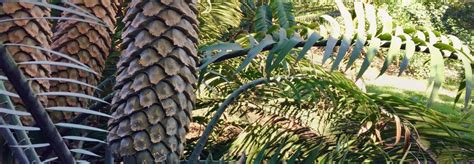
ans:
(252, 69)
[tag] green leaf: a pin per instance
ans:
(436, 72)
(313, 38)
(347, 37)
(332, 40)
(359, 46)
(288, 46)
(293, 158)
(444, 46)
(263, 19)
(361, 36)
(311, 158)
(409, 51)
(372, 51)
(261, 154)
(461, 87)
(346, 43)
(393, 51)
(276, 154)
(283, 11)
(268, 40)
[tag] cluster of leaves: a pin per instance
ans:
(254, 69)
(305, 113)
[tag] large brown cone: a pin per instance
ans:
(89, 43)
(155, 82)
(33, 32)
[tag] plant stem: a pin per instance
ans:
(11, 141)
(33, 106)
(321, 43)
(202, 141)
(15, 120)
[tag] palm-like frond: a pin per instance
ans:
(397, 39)
(343, 123)
(217, 18)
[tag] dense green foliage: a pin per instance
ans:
(277, 82)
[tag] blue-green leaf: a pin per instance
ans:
(268, 40)
(6, 93)
(359, 46)
(16, 127)
(333, 37)
(372, 51)
(263, 19)
(313, 38)
(409, 51)
(283, 12)
(32, 145)
(288, 46)
(71, 94)
(393, 51)
(261, 154)
(80, 138)
(85, 152)
(77, 110)
(347, 37)
(78, 126)
(14, 112)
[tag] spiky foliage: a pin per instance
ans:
(218, 18)
(89, 43)
(31, 32)
(155, 82)
(349, 125)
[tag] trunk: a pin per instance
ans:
(86, 42)
(33, 32)
(155, 82)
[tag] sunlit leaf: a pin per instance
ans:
(312, 39)
(371, 52)
(393, 52)
(268, 40)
